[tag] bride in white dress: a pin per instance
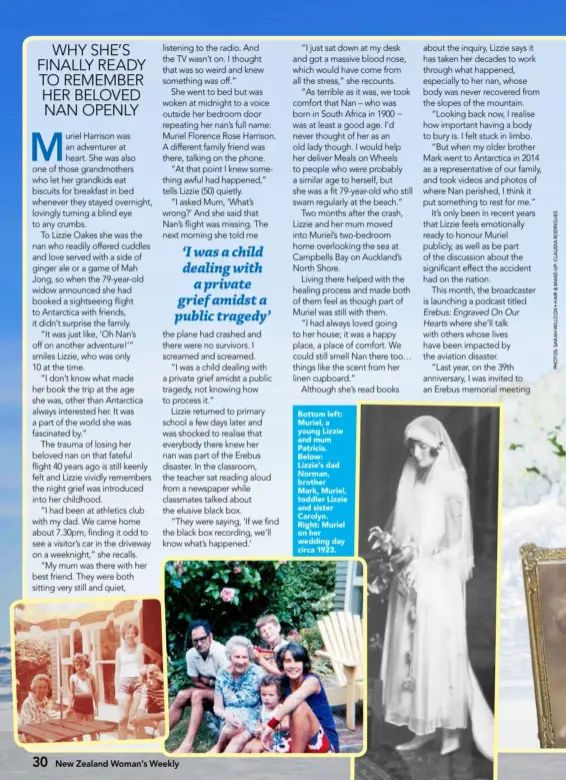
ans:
(428, 683)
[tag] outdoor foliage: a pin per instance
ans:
(33, 656)
(231, 595)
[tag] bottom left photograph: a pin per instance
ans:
(88, 671)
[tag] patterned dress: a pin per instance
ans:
(241, 696)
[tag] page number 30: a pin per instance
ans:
(40, 761)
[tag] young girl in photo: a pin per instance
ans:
(83, 703)
(271, 696)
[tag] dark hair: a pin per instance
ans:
(433, 450)
(199, 624)
(271, 679)
(81, 655)
(298, 653)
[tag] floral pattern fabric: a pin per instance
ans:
(241, 696)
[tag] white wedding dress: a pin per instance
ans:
(428, 682)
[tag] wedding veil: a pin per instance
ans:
(443, 490)
(445, 484)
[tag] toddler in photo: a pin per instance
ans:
(83, 703)
(271, 695)
(150, 704)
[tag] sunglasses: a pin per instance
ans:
(198, 639)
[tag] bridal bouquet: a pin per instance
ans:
(381, 572)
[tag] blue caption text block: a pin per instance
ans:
(324, 475)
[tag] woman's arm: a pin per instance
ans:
(453, 509)
(219, 710)
(269, 665)
(456, 544)
(308, 687)
(142, 701)
(155, 657)
(72, 684)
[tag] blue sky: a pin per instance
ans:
(174, 17)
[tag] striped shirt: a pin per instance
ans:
(155, 699)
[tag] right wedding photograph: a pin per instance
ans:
(544, 572)
(428, 521)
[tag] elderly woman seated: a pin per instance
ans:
(237, 700)
(37, 707)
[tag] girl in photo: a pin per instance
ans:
(271, 696)
(83, 703)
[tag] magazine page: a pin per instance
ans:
(293, 405)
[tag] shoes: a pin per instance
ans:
(415, 744)
(450, 741)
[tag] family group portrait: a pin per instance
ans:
(428, 519)
(265, 657)
(88, 671)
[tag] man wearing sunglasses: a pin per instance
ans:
(204, 660)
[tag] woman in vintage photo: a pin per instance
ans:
(128, 667)
(38, 706)
(428, 683)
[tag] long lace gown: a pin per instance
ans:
(425, 667)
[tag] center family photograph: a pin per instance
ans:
(265, 657)
(428, 529)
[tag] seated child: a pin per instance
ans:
(37, 707)
(271, 696)
(83, 703)
(150, 702)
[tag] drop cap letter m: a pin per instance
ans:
(56, 143)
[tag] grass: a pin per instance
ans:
(205, 738)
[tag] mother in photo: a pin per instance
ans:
(128, 667)
(428, 683)
(312, 725)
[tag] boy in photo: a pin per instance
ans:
(269, 629)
